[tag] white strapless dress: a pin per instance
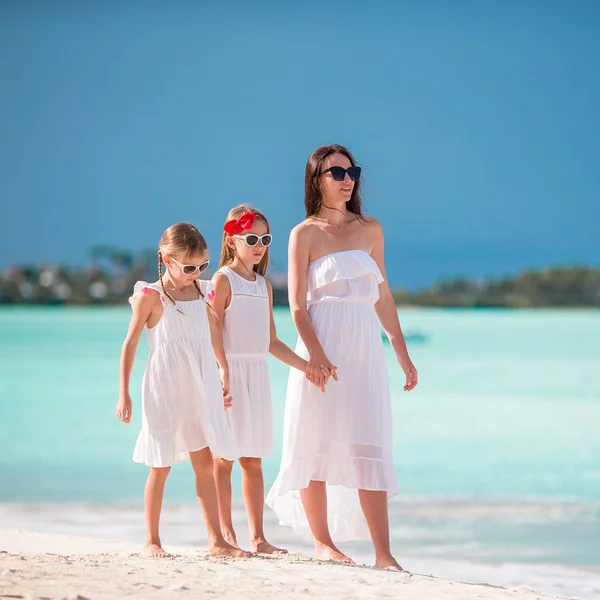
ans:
(342, 436)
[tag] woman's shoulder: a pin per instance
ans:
(373, 227)
(370, 222)
(305, 225)
(305, 230)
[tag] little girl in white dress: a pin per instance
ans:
(182, 404)
(242, 301)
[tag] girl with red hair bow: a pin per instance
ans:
(242, 301)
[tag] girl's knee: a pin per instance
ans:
(223, 466)
(202, 461)
(159, 472)
(253, 465)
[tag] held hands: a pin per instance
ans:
(319, 369)
(124, 407)
(412, 377)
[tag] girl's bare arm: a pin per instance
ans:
(143, 306)
(277, 348)
(219, 300)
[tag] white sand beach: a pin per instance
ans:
(53, 566)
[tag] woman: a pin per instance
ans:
(337, 469)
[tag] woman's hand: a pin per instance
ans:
(412, 377)
(124, 407)
(319, 369)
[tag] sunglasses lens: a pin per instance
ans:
(266, 239)
(338, 173)
(189, 269)
(252, 240)
(354, 173)
(203, 266)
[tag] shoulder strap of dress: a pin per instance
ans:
(156, 286)
(232, 277)
(142, 287)
(263, 284)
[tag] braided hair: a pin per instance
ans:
(181, 239)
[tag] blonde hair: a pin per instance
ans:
(227, 253)
(178, 241)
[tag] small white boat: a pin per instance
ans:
(410, 335)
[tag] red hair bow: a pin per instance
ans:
(235, 226)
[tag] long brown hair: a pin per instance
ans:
(313, 197)
(178, 241)
(227, 254)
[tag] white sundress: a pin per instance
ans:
(246, 341)
(182, 399)
(342, 436)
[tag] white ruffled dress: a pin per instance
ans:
(246, 341)
(182, 399)
(342, 436)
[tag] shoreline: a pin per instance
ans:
(120, 529)
(48, 565)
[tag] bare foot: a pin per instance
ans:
(226, 549)
(230, 537)
(389, 563)
(155, 550)
(261, 545)
(324, 552)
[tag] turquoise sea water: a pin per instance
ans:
(497, 451)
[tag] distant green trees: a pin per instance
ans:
(107, 279)
(556, 287)
(111, 273)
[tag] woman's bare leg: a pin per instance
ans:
(222, 473)
(153, 497)
(314, 500)
(202, 463)
(374, 506)
(253, 490)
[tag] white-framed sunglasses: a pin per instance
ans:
(252, 239)
(191, 269)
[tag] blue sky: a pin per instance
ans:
(476, 123)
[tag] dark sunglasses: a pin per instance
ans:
(252, 239)
(190, 269)
(339, 173)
